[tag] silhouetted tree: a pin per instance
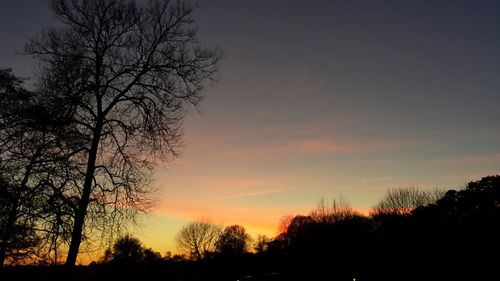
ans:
(234, 241)
(296, 225)
(17, 234)
(461, 227)
(126, 73)
(29, 157)
(284, 223)
(476, 206)
(331, 212)
(199, 238)
(261, 244)
(36, 147)
(151, 256)
(336, 235)
(175, 258)
(402, 201)
(125, 251)
(12, 192)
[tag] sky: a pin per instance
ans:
(320, 99)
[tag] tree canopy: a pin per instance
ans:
(234, 241)
(124, 74)
(198, 239)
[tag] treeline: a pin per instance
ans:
(409, 235)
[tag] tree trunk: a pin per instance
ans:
(81, 212)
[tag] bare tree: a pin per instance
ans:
(402, 201)
(29, 155)
(126, 73)
(11, 191)
(199, 238)
(284, 223)
(17, 235)
(331, 212)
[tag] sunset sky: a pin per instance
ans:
(320, 99)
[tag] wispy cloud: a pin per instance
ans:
(253, 194)
(324, 145)
(251, 137)
(293, 145)
(354, 145)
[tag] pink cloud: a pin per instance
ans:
(353, 145)
(323, 145)
(286, 146)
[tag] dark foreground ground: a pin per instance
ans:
(190, 272)
(145, 273)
